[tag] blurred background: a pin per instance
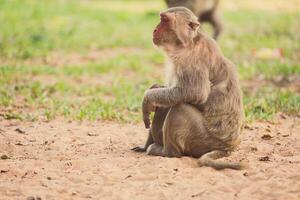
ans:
(93, 59)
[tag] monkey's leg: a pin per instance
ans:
(155, 132)
(182, 121)
(217, 25)
(213, 18)
(157, 125)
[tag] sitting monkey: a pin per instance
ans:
(200, 112)
(205, 10)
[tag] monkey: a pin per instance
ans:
(199, 113)
(205, 10)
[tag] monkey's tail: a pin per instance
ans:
(210, 159)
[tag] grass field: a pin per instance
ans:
(94, 59)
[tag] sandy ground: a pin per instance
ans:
(91, 160)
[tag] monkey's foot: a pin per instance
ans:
(155, 150)
(139, 149)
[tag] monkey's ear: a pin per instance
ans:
(194, 25)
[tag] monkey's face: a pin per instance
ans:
(178, 26)
(164, 33)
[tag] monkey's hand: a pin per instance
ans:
(147, 108)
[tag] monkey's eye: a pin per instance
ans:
(193, 25)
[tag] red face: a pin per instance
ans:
(162, 30)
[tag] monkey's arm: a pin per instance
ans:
(163, 97)
(159, 97)
(193, 87)
(168, 97)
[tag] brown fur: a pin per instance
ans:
(200, 112)
(205, 10)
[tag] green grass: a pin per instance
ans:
(112, 86)
(268, 101)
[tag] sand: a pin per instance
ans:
(92, 160)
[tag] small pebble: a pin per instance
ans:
(265, 158)
(4, 157)
(19, 130)
(248, 127)
(266, 137)
(253, 149)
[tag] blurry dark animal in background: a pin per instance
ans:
(199, 113)
(205, 10)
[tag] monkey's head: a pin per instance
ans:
(178, 26)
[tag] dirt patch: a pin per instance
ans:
(60, 58)
(74, 160)
(99, 80)
(291, 83)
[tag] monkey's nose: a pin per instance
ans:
(155, 30)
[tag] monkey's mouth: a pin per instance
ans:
(155, 37)
(156, 40)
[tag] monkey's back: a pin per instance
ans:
(223, 111)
